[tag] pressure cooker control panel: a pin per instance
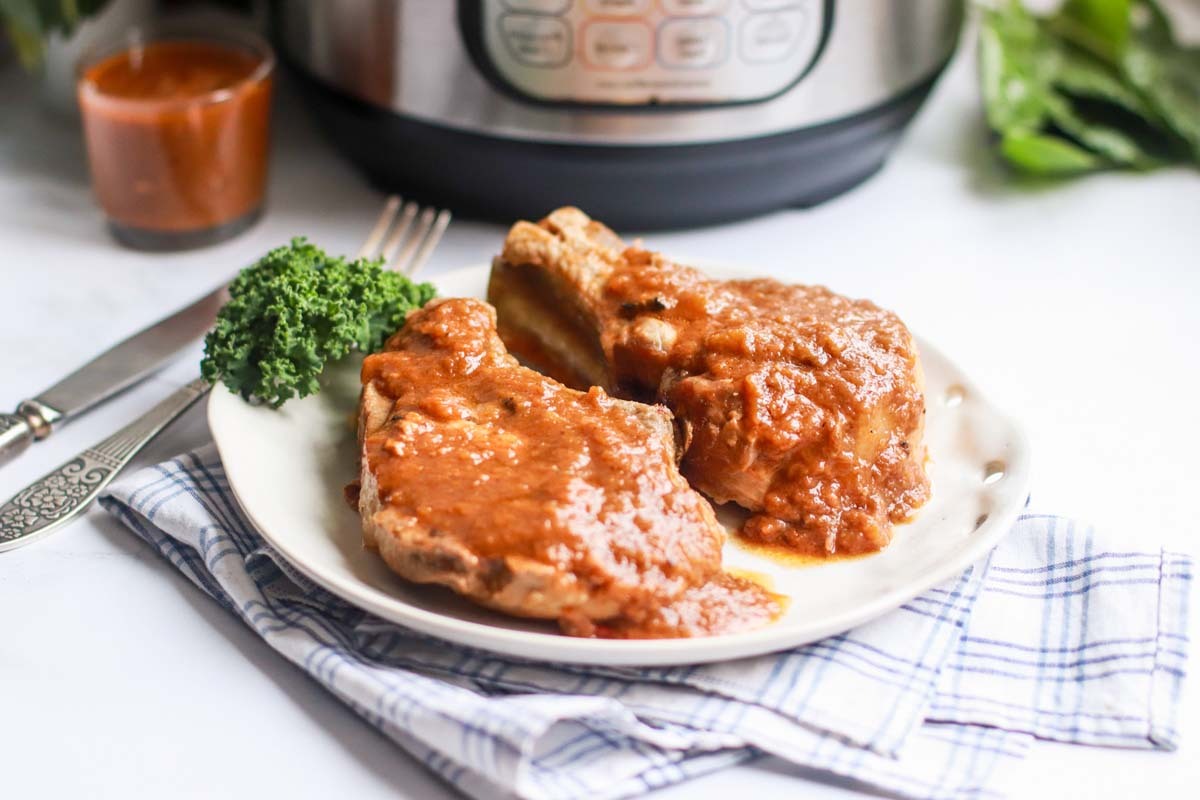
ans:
(647, 52)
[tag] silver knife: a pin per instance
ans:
(117, 368)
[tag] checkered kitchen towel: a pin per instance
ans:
(1061, 636)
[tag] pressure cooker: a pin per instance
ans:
(645, 113)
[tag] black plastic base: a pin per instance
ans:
(628, 187)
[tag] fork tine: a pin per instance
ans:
(424, 224)
(431, 240)
(399, 233)
(371, 245)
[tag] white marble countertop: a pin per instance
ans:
(1076, 306)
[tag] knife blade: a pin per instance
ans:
(117, 368)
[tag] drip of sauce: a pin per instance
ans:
(789, 556)
(176, 133)
(730, 602)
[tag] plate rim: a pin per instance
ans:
(651, 652)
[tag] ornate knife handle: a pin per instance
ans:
(58, 497)
(15, 435)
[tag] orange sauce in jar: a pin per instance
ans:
(176, 133)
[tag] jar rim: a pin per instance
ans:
(142, 36)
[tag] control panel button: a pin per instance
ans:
(616, 8)
(617, 45)
(536, 41)
(770, 36)
(692, 43)
(635, 53)
(693, 8)
(554, 7)
(770, 5)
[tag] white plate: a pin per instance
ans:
(288, 468)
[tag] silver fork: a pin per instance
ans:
(404, 236)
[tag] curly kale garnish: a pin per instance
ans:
(298, 309)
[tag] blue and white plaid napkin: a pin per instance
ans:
(1059, 635)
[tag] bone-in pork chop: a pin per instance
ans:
(801, 405)
(533, 498)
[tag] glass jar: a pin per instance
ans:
(176, 126)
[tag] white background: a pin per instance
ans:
(1077, 306)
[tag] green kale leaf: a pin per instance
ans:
(297, 309)
(1101, 84)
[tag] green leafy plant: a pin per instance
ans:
(30, 22)
(1100, 84)
(297, 309)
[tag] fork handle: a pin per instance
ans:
(60, 496)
